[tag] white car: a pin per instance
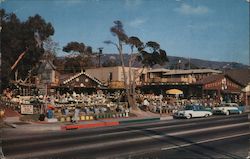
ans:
(227, 109)
(191, 111)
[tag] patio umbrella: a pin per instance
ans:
(174, 91)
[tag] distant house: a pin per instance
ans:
(113, 76)
(47, 74)
(221, 87)
(47, 78)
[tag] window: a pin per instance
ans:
(110, 76)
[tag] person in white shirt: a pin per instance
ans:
(146, 104)
(76, 115)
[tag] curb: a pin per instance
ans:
(92, 125)
(112, 123)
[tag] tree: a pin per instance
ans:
(149, 55)
(19, 37)
(50, 48)
(110, 62)
(82, 55)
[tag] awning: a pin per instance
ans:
(174, 91)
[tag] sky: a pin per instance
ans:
(206, 29)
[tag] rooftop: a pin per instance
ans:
(191, 71)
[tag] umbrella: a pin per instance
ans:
(174, 91)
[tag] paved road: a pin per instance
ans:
(214, 137)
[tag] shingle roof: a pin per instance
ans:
(159, 70)
(44, 64)
(240, 75)
(212, 78)
(191, 71)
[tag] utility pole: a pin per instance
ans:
(99, 56)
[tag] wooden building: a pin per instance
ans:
(221, 87)
(159, 80)
(80, 82)
(243, 77)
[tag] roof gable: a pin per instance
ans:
(80, 74)
(46, 65)
(240, 75)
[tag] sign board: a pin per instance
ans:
(27, 109)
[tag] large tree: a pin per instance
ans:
(80, 56)
(148, 54)
(21, 44)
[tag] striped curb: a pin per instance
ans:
(92, 125)
(112, 123)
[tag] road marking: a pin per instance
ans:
(204, 141)
(207, 129)
(132, 131)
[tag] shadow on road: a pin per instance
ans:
(169, 139)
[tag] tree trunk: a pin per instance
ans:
(124, 75)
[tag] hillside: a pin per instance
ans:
(184, 63)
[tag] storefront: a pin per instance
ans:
(221, 88)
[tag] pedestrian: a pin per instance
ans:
(66, 111)
(145, 104)
(76, 115)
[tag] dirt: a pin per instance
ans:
(141, 113)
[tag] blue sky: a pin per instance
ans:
(206, 29)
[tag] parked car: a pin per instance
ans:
(191, 111)
(227, 109)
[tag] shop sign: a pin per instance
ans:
(27, 109)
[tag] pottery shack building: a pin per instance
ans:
(222, 88)
(80, 82)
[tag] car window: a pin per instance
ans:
(202, 108)
(189, 107)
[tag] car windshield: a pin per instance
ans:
(188, 107)
(228, 105)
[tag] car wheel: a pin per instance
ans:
(189, 116)
(206, 115)
(240, 112)
(227, 113)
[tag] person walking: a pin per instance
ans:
(76, 115)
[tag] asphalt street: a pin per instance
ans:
(213, 137)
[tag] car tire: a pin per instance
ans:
(206, 115)
(189, 116)
(227, 113)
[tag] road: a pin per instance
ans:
(213, 137)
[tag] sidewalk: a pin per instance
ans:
(35, 127)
